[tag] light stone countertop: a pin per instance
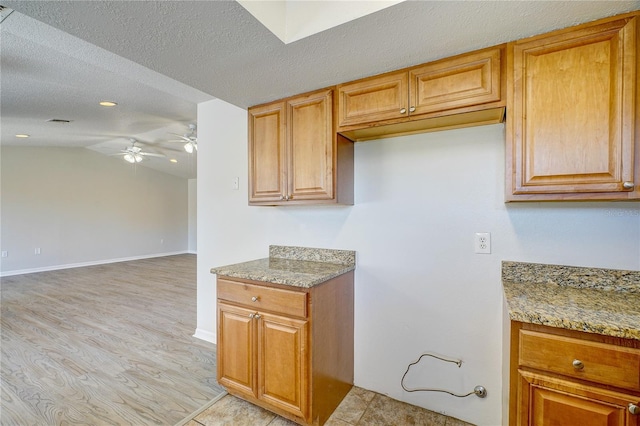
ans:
(594, 300)
(293, 266)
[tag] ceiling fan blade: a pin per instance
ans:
(184, 138)
(151, 154)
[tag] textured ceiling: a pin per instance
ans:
(164, 57)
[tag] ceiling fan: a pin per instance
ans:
(134, 154)
(190, 139)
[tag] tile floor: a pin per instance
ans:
(360, 407)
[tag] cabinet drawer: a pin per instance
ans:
(264, 298)
(601, 362)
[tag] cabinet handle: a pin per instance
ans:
(577, 364)
(634, 409)
(628, 185)
(403, 110)
(252, 315)
(257, 316)
(255, 298)
(412, 109)
(290, 197)
(282, 197)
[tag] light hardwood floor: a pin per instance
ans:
(104, 345)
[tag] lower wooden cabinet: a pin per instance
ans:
(562, 377)
(265, 344)
(289, 350)
(547, 400)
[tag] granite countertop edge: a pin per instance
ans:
(293, 266)
(561, 312)
(601, 303)
(291, 279)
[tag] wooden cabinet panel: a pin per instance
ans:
(300, 367)
(261, 298)
(598, 362)
(267, 153)
(283, 364)
(237, 368)
(295, 156)
(401, 102)
(311, 146)
(571, 121)
(546, 388)
(558, 402)
(373, 99)
(463, 81)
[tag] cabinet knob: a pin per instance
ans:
(255, 298)
(628, 185)
(252, 315)
(257, 316)
(412, 109)
(403, 110)
(634, 409)
(282, 197)
(577, 364)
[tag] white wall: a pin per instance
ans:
(80, 207)
(193, 215)
(419, 286)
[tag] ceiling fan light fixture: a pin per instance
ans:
(189, 147)
(129, 158)
(138, 158)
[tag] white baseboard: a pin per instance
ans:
(81, 264)
(205, 335)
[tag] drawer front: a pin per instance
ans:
(262, 298)
(597, 362)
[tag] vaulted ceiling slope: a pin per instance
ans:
(219, 48)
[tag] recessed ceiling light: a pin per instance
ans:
(173, 160)
(22, 135)
(108, 103)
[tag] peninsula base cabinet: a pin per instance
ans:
(565, 378)
(287, 349)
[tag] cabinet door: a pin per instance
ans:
(311, 146)
(373, 99)
(550, 401)
(571, 117)
(458, 82)
(236, 354)
(267, 153)
(283, 363)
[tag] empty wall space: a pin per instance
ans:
(80, 207)
(419, 285)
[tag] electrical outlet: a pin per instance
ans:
(483, 242)
(5, 253)
(236, 183)
(37, 250)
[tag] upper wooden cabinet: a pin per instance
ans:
(295, 155)
(466, 83)
(572, 109)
